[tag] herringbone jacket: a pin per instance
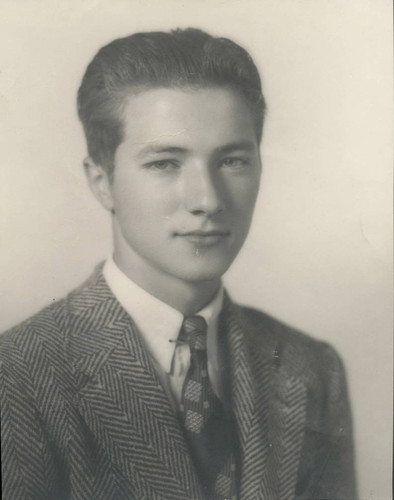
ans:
(84, 415)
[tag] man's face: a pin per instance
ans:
(185, 183)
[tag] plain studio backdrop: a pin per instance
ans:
(319, 253)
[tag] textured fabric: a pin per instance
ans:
(84, 415)
(208, 431)
(160, 331)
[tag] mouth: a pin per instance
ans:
(204, 238)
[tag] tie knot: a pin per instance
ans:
(195, 331)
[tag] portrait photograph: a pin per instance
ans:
(196, 286)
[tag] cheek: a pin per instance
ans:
(142, 204)
(243, 196)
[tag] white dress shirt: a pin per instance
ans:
(159, 326)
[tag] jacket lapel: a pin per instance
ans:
(122, 401)
(269, 403)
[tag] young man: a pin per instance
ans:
(147, 382)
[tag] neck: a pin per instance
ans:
(188, 297)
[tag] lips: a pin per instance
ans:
(204, 237)
(214, 232)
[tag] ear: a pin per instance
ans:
(99, 183)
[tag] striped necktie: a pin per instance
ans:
(208, 429)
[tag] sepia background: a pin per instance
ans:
(319, 253)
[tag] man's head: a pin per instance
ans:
(178, 59)
(173, 124)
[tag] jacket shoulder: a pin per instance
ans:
(34, 339)
(262, 323)
(51, 325)
(304, 354)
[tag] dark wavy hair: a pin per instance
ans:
(180, 58)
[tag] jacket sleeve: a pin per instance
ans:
(28, 466)
(330, 444)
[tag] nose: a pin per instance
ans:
(203, 192)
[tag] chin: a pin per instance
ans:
(203, 272)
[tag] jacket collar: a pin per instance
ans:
(121, 399)
(269, 402)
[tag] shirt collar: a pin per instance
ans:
(158, 323)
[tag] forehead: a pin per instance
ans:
(199, 117)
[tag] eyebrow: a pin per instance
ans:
(160, 148)
(245, 145)
(236, 146)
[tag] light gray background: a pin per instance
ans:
(319, 253)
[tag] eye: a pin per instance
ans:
(162, 165)
(234, 162)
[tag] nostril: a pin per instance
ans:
(198, 212)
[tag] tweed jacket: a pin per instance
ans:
(84, 415)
